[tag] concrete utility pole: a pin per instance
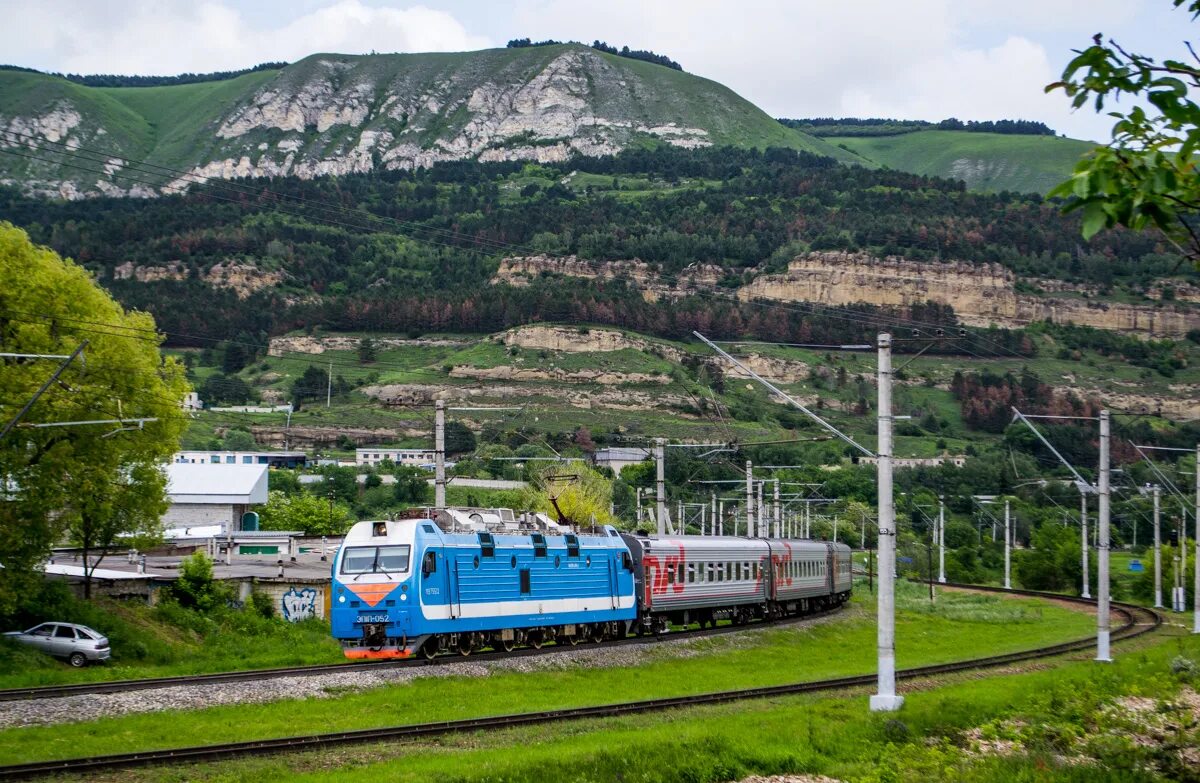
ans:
(439, 454)
(777, 510)
(763, 522)
(660, 497)
(639, 506)
(1102, 631)
(715, 518)
(1196, 554)
(1087, 577)
(886, 699)
(720, 517)
(1182, 553)
(329, 387)
(941, 540)
(750, 499)
(1157, 549)
(1007, 547)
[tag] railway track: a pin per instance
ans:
(121, 686)
(1136, 621)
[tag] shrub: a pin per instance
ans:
(262, 604)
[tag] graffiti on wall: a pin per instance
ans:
(299, 604)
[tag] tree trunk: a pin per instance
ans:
(85, 539)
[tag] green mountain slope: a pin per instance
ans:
(341, 114)
(985, 161)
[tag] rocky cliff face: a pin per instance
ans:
(981, 294)
(519, 271)
(340, 114)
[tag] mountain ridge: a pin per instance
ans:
(332, 114)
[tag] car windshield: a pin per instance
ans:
(375, 559)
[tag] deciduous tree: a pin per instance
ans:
(95, 482)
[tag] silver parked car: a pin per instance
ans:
(77, 643)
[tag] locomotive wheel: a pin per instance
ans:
(598, 633)
(536, 639)
(507, 645)
(429, 650)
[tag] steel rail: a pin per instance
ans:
(150, 683)
(1130, 628)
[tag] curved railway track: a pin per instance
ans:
(120, 686)
(1136, 621)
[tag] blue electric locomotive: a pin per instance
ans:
(408, 587)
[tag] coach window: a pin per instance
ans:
(691, 573)
(679, 575)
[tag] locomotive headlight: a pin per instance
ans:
(341, 599)
(403, 597)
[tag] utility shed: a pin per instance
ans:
(204, 495)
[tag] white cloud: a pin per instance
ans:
(146, 37)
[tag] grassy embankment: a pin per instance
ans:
(1069, 723)
(959, 626)
(167, 641)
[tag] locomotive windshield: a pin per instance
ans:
(375, 559)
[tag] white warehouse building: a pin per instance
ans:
(414, 457)
(206, 496)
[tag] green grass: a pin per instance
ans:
(985, 161)
(958, 627)
(1043, 712)
(148, 642)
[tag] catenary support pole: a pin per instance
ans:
(720, 517)
(439, 454)
(1102, 608)
(1196, 554)
(886, 699)
(660, 492)
(1007, 547)
(329, 387)
(1087, 575)
(762, 520)
(941, 539)
(1158, 604)
(715, 519)
(750, 499)
(776, 511)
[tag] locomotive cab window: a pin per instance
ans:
(375, 559)
(429, 565)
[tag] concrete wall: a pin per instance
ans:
(195, 514)
(295, 600)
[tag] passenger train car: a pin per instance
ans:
(457, 584)
(685, 579)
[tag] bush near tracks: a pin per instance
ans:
(200, 633)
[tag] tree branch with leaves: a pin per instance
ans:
(1146, 177)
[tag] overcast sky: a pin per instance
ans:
(917, 59)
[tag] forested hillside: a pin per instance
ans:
(417, 250)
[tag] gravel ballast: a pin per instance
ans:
(71, 709)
